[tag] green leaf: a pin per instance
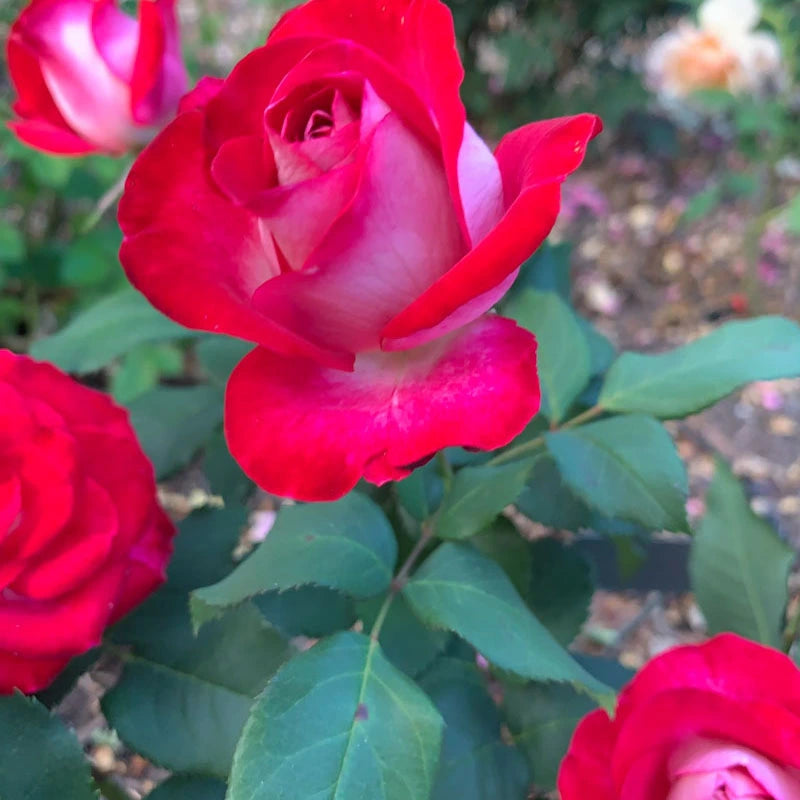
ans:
(12, 243)
(625, 467)
(477, 496)
(563, 356)
(404, 640)
(338, 721)
(105, 331)
(185, 787)
(546, 270)
(692, 377)
(542, 717)
(225, 476)
(502, 542)
(174, 422)
(40, 759)
(220, 354)
(182, 699)
(475, 763)
(560, 588)
(421, 492)
(348, 546)
(460, 589)
(548, 500)
(739, 566)
(601, 351)
(307, 611)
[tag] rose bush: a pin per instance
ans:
(715, 721)
(90, 78)
(329, 203)
(83, 537)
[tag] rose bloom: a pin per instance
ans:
(724, 52)
(92, 79)
(329, 203)
(82, 537)
(717, 721)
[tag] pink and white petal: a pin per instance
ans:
(398, 236)
(416, 40)
(93, 101)
(707, 755)
(311, 433)
(480, 185)
(115, 35)
(298, 217)
(534, 160)
(193, 253)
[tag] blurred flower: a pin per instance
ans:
(90, 78)
(722, 52)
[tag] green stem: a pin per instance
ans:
(524, 449)
(108, 787)
(445, 469)
(792, 630)
(106, 201)
(401, 579)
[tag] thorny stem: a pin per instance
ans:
(533, 445)
(401, 579)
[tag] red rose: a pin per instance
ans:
(91, 78)
(330, 204)
(82, 537)
(716, 721)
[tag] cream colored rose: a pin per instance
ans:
(723, 52)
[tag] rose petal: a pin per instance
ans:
(533, 160)
(707, 755)
(310, 433)
(28, 675)
(206, 90)
(79, 550)
(93, 101)
(399, 234)
(159, 77)
(584, 772)
(194, 254)
(416, 38)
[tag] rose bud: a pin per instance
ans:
(329, 203)
(82, 537)
(90, 78)
(716, 721)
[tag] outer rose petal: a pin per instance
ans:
(51, 139)
(28, 675)
(534, 160)
(584, 772)
(310, 433)
(416, 38)
(194, 254)
(728, 665)
(206, 90)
